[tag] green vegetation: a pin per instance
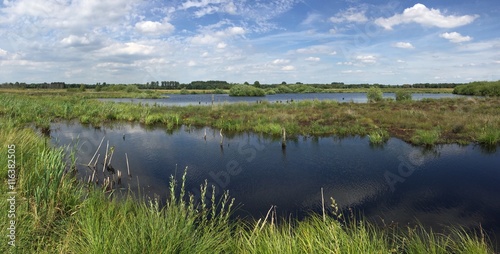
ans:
(57, 214)
(403, 95)
(425, 137)
(481, 88)
(374, 94)
(461, 120)
(246, 90)
(378, 137)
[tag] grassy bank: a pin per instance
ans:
(56, 214)
(87, 94)
(426, 122)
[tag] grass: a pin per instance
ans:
(459, 120)
(57, 214)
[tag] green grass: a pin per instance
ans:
(377, 137)
(460, 120)
(425, 137)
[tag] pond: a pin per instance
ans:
(396, 182)
(206, 99)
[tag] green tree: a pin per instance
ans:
(82, 88)
(256, 84)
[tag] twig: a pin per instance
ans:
(128, 168)
(105, 157)
(323, 204)
(90, 162)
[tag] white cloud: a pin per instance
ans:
(420, 14)
(366, 59)
(288, 68)
(313, 59)
(317, 49)
(221, 45)
(352, 15)
(403, 45)
(455, 37)
(344, 63)
(206, 7)
(154, 28)
(281, 61)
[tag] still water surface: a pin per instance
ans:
(449, 184)
(206, 99)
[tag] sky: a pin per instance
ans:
(270, 41)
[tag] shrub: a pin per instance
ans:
(246, 90)
(403, 95)
(374, 94)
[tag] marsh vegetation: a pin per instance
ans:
(57, 213)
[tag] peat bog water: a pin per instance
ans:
(206, 99)
(396, 182)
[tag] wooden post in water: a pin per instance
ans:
(283, 139)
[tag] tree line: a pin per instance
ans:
(223, 85)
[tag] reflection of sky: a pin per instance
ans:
(206, 99)
(450, 184)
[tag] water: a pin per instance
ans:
(447, 185)
(206, 99)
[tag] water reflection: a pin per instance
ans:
(206, 99)
(448, 184)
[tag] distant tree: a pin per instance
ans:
(246, 83)
(82, 88)
(283, 83)
(256, 84)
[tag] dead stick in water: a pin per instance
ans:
(323, 204)
(105, 157)
(283, 139)
(221, 137)
(90, 162)
(128, 168)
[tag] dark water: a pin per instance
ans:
(448, 185)
(206, 99)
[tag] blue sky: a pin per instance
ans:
(309, 41)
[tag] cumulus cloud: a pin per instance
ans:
(352, 15)
(455, 37)
(403, 45)
(422, 15)
(154, 28)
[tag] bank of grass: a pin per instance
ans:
(87, 94)
(57, 214)
(425, 122)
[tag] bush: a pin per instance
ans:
(374, 94)
(246, 90)
(184, 91)
(482, 88)
(403, 95)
